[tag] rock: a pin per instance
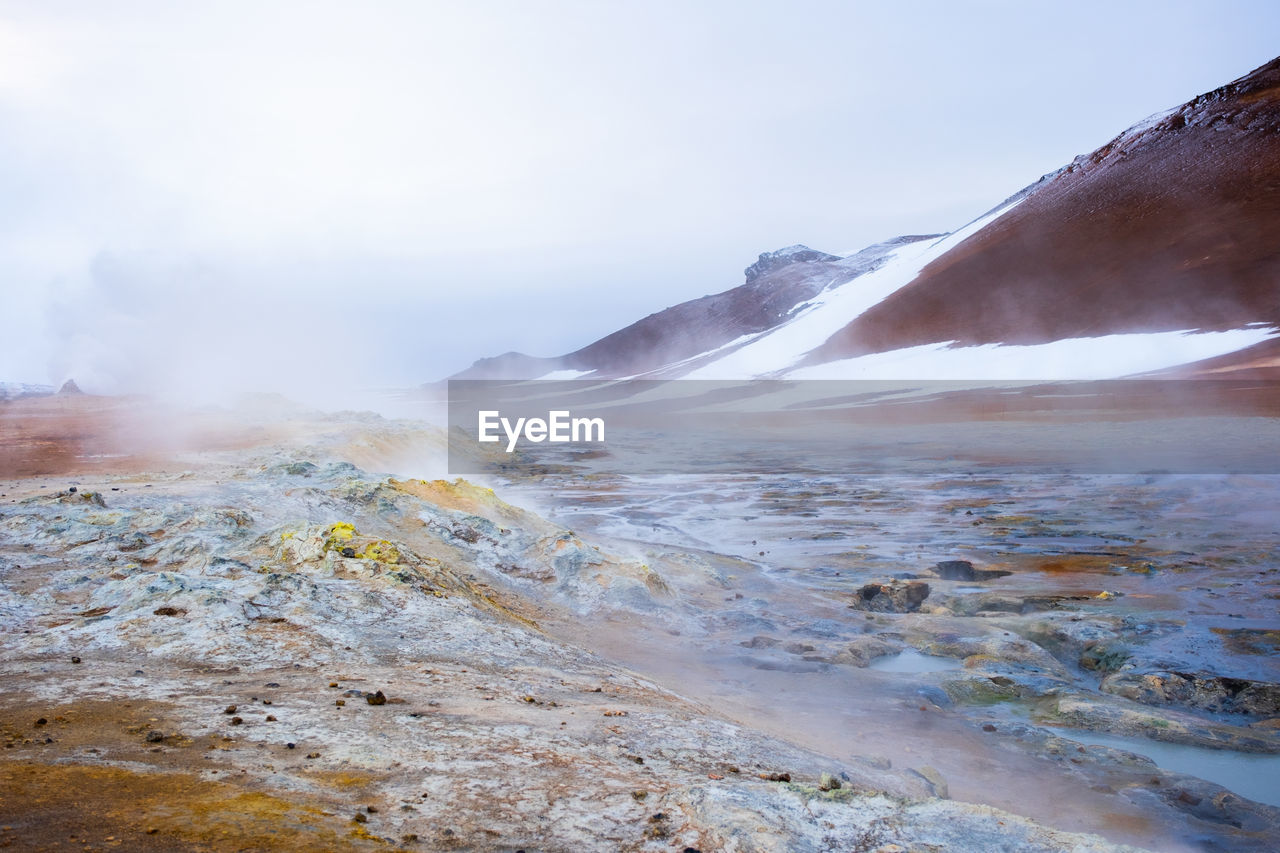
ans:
(827, 782)
(235, 721)
(863, 650)
(70, 388)
(169, 611)
(984, 603)
(963, 570)
(931, 775)
(1105, 657)
(360, 818)
(155, 737)
(230, 709)
(981, 691)
(1213, 804)
(891, 597)
(376, 698)
(1216, 694)
(770, 261)
(936, 696)
(1170, 726)
(982, 647)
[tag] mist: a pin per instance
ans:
(312, 198)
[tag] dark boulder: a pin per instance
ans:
(963, 570)
(891, 597)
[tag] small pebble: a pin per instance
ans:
(235, 721)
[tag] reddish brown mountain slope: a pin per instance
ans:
(1175, 225)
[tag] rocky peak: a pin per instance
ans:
(770, 261)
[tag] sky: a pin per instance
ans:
(312, 197)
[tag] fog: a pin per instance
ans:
(313, 197)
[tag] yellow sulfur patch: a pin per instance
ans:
(382, 551)
(342, 531)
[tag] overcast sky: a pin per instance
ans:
(280, 195)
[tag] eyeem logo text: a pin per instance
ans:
(559, 426)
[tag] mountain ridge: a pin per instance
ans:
(1171, 227)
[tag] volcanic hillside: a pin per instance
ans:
(1158, 252)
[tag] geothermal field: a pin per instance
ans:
(580, 427)
(273, 628)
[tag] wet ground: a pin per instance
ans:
(1093, 577)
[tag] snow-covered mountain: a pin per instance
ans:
(1157, 253)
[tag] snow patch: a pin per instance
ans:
(561, 375)
(1106, 357)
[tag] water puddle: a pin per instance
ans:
(911, 660)
(1256, 777)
